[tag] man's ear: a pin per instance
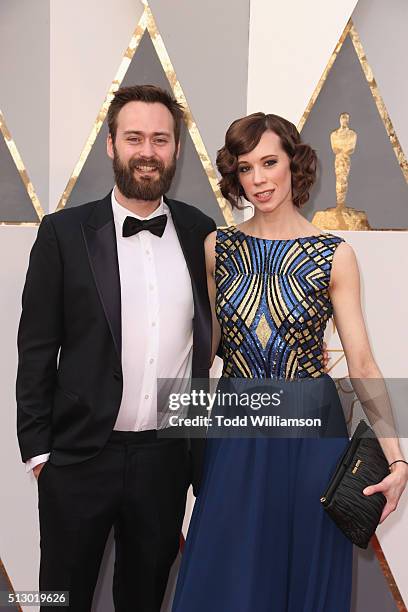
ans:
(178, 150)
(109, 146)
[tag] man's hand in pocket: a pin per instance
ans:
(37, 469)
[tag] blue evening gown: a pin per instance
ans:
(259, 539)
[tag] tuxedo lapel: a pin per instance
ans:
(184, 228)
(100, 238)
(195, 259)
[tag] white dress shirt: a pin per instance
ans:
(157, 319)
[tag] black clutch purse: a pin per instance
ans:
(362, 464)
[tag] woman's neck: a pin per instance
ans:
(282, 223)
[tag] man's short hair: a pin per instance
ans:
(145, 93)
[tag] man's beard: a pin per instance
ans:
(144, 187)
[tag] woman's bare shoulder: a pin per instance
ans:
(210, 239)
(209, 247)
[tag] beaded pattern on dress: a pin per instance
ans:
(273, 303)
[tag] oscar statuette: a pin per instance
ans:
(343, 143)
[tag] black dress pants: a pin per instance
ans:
(138, 484)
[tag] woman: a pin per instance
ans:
(259, 540)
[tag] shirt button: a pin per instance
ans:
(147, 252)
(154, 324)
(146, 396)
(151, 287)
(151, 360)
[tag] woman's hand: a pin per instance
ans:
(392, 486)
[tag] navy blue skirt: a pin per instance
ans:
(259, 539)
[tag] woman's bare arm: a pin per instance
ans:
(364, 373)
(209, 246)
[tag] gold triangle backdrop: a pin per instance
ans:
(351, 31)
(12, 147)
(148, 23)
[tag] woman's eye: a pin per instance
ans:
(270, 162)
(243, 169)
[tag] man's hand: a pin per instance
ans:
(325, 356)
(37, 469)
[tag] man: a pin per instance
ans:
(115, 298)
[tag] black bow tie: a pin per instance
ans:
(132, 226)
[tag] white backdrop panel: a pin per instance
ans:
(19, 535)
(290, 44)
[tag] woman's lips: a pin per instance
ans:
(264, 196)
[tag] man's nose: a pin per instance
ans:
(146, 150)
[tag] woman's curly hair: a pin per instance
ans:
(244, 134)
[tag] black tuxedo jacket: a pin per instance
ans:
(69, 381)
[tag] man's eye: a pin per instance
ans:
(160, 141)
